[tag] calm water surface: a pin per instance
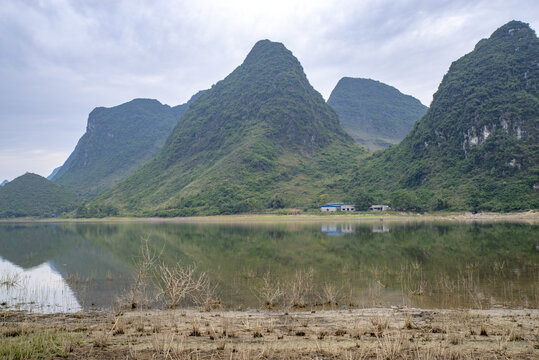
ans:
(51, 267)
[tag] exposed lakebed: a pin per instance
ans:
(52, 267)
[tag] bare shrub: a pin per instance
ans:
(209, 298)
(269, 292)
(137, 295)
(300, 288)
(329, 294)
(182, 283)
(175, 284)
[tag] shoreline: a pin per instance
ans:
(531, 217)
(397, 332)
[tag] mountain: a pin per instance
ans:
(4, 183)
(117, 141)
(53, 173)
(33, 195)
(262, 137)
(375, 114)
(477, 147)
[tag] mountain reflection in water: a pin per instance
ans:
(41, 289)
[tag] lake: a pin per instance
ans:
(66, 267)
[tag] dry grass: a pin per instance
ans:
(332, 334)
(380, 323)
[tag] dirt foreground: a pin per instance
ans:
(392, 333)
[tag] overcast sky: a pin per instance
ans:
(59, 59)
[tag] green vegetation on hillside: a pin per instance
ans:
(117, 141)
(33, 195)
(261, 138)
(375, 114)
(477, 147)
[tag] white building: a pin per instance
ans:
(330, 207)
(379, 207)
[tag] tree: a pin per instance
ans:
(362, 200)
(404, 200)
(323, 199)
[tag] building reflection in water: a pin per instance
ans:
(333, 229)
(380, 228)
(338, 229)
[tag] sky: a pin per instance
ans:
(59, 59)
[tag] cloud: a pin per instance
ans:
(61, 58)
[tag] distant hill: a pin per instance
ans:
(375, 114)
(477, 147)
(261, 138)
(33, 195)
(4, 183)
(117, 141)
